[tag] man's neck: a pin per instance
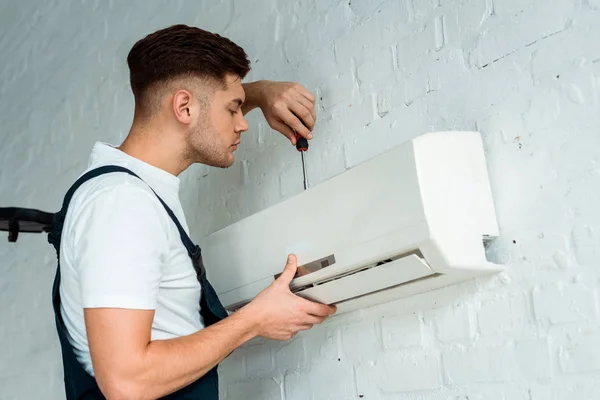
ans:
(153, 146)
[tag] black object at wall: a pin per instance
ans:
(15, 219)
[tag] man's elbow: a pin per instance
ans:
(116, 388)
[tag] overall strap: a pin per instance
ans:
(59, 217)
(211, 308)
(79, 385)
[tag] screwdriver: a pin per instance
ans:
(302, 146)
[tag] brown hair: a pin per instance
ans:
(179, 51)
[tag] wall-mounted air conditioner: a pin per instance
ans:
(409, 220)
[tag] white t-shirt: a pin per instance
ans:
(120, 249)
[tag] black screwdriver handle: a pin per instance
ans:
(301, 143)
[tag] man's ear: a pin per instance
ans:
(182, 106)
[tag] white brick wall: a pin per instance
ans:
(524, 73)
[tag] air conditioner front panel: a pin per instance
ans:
(367, 281)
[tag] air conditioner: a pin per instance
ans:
(409, 220)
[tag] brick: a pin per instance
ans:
(493, 392)
(494, 317)
(267, 389)
(402, 331)
(341, 90)
(383, 103)
(581, 354)
(421, 9)
(364, 9)
(369, 38)
(438, 26)
(560, 243)
(536, 23)
(290, 180)
(321, 344)
(505, 315)
(234, 365)
(337, 20)
(533, 360)
(296, 45)
(583, 388)
(371, 141)
(327, 380)
(561, 259)
(290, 355)
(223, 181)
(259, 361)
(564, 303)
(522, 312)
(316, 71)
(451, 323)
(360, 342)
(224, 14)
(356, 117)
(465, 20)
(412, 86)
(323, 6)
(292, 14)
(511, 8)
(378, 72)
(577, 45)
(33, 386)
(477, 364)
(398, 372)
(448, 71)
(586, 244)
(417, 45)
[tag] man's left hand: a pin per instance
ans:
(287, 107)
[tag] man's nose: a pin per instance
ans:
(242, 125)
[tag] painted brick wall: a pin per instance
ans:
(524, 73)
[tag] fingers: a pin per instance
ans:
(292, 121)
(305, 327)
(314, 320)
(289, 271)
(290, 109)
(319, 310)
(308, 322)
(309, 104)
(303, 109)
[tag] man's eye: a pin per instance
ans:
(233, 112)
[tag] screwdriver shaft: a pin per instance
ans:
(304, 171)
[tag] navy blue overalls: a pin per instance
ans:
(80, 385)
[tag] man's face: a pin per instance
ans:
(216, 134)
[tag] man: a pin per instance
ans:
(132, 308)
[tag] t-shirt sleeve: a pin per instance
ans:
(120, 249)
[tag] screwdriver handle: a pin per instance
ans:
(301, 143)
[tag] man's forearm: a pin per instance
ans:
(168, 365)
(253, 95)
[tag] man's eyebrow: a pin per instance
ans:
(238, 101)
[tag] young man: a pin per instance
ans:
(134, 313)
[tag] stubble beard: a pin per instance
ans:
(204, 146)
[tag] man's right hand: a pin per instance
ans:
(279, 314)
(129, 364)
